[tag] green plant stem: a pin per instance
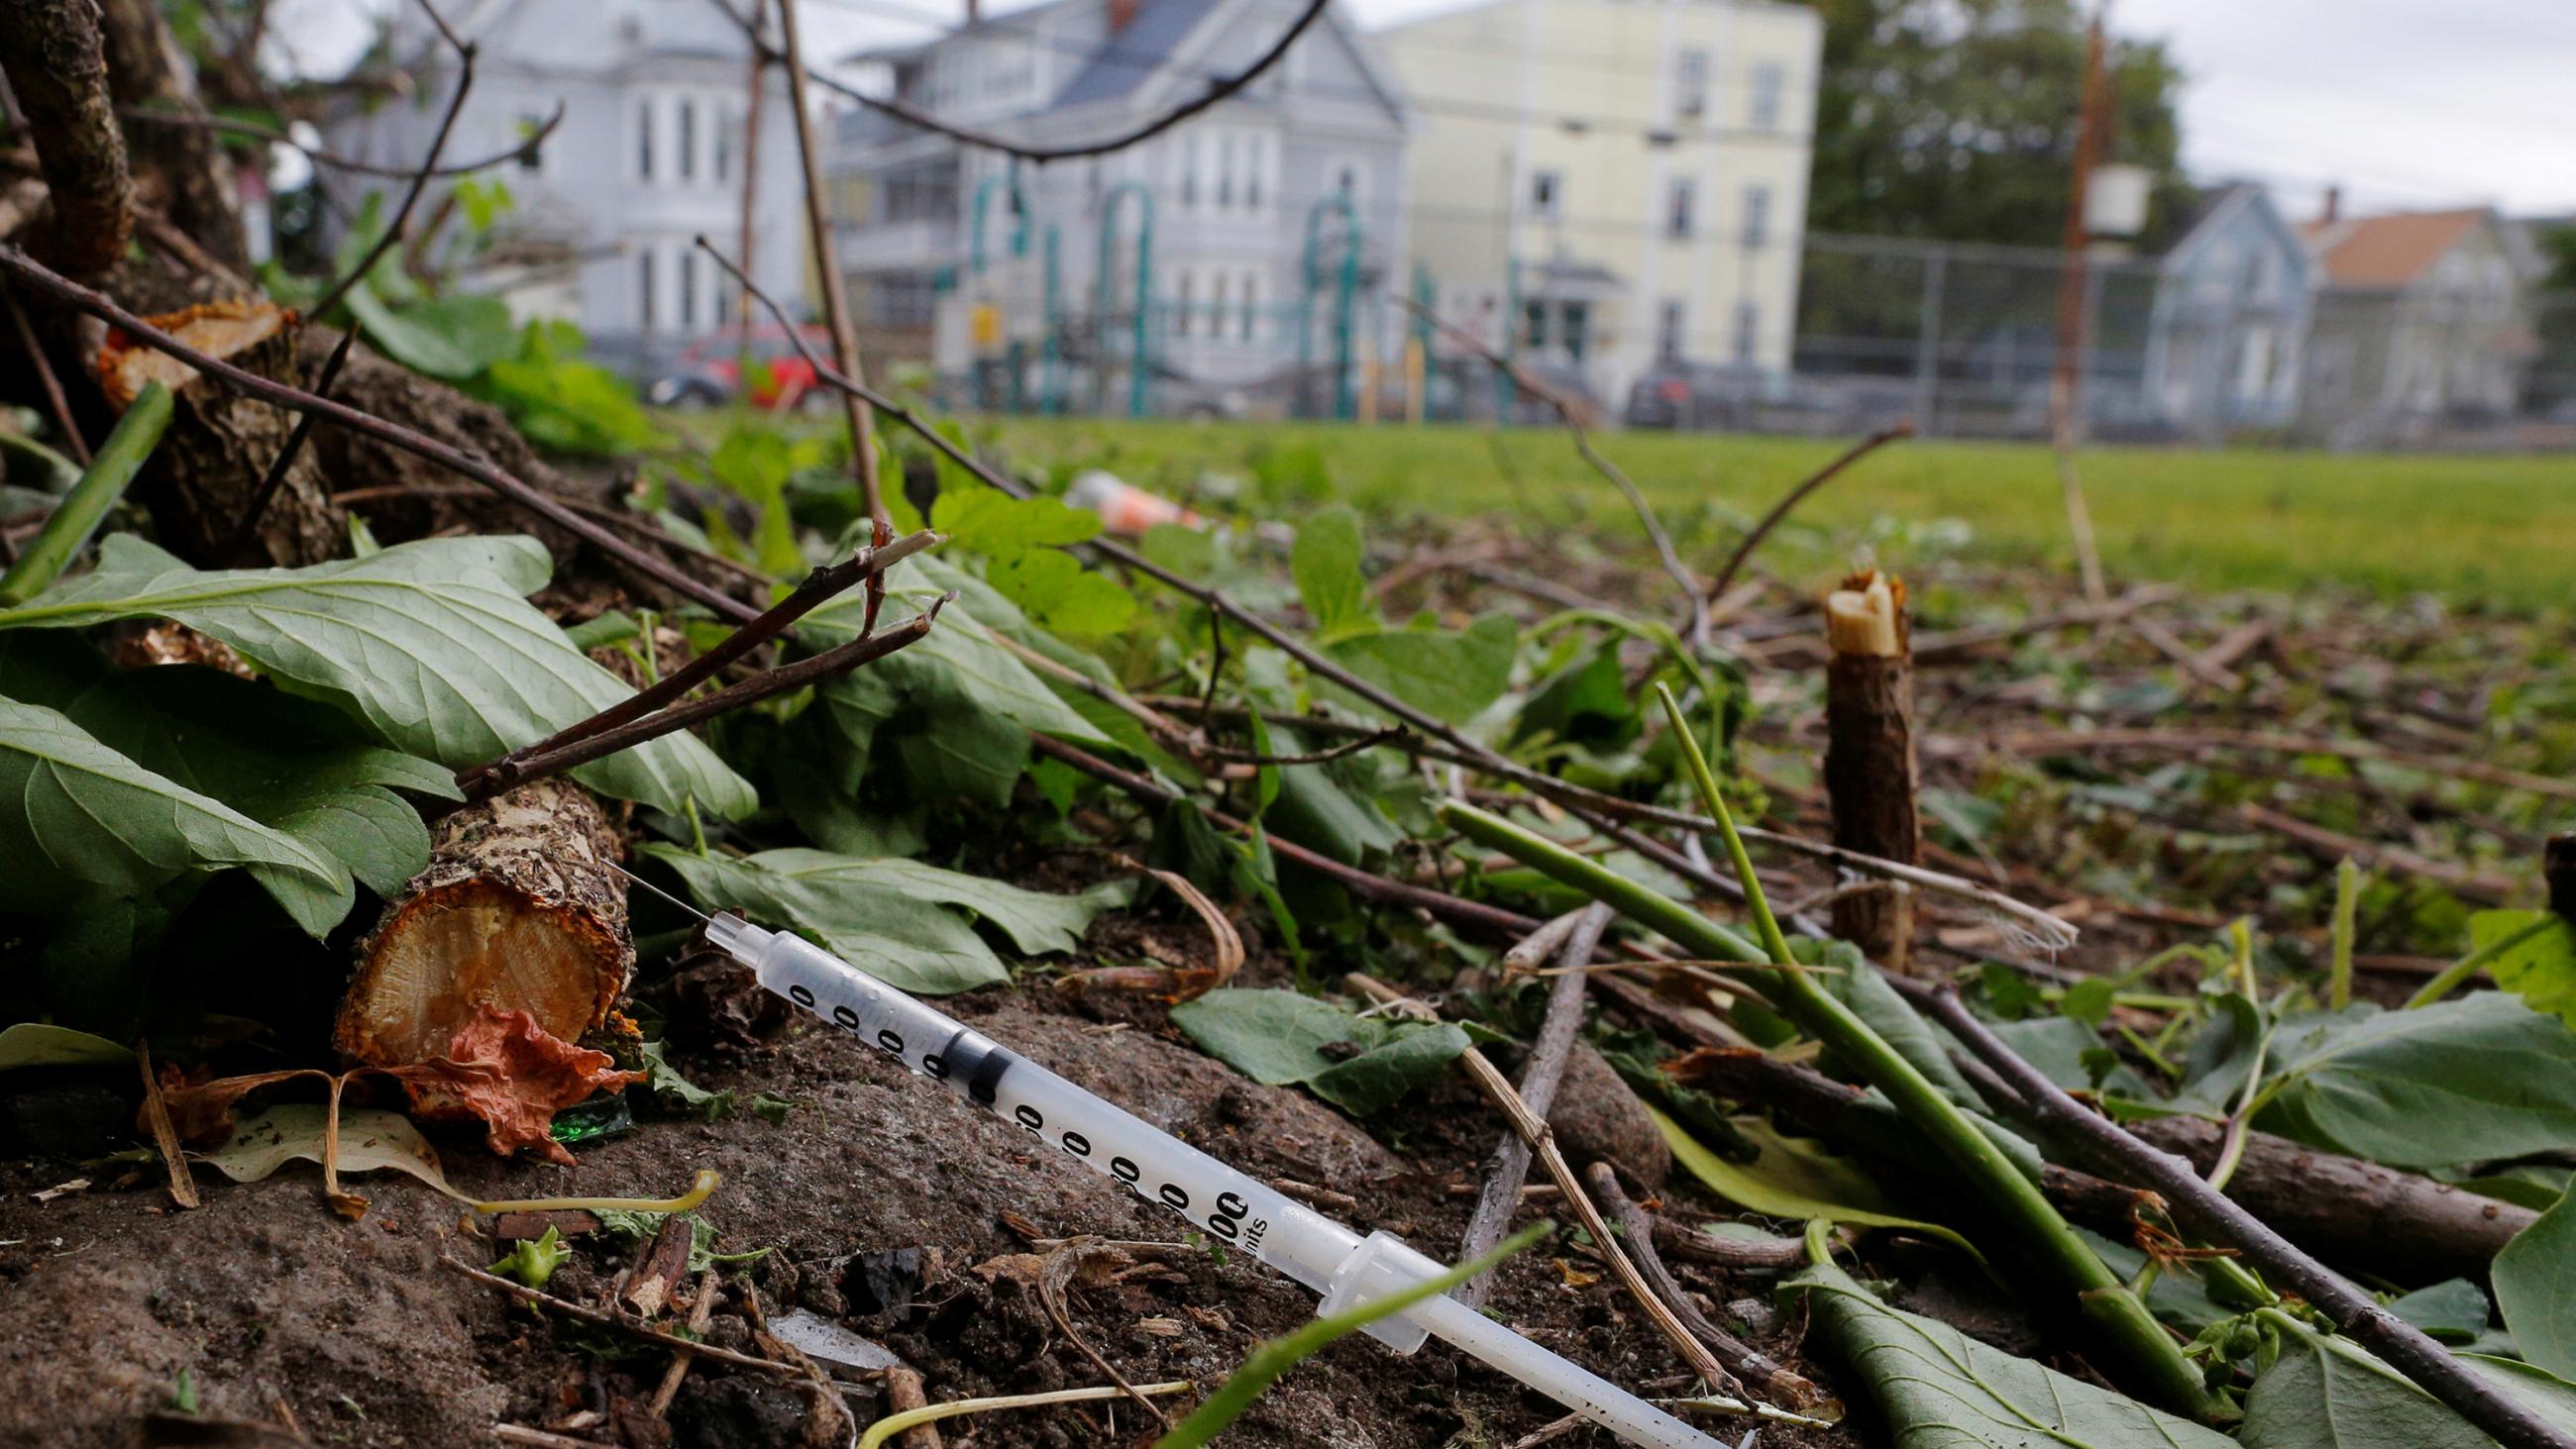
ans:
(2240, 933)
(2458, 972)
(2153, 1356)
(1275, 1357)
(67, 530)
(2347, 905)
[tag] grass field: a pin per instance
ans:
(2474, 529)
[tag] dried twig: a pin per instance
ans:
(1761, 530)
(606, 1319)
(1534, 1130)
(1742, 1359)
(1576, 941)
(2179, 741)
(465, 54)
(270, 135)
(183, 1187)
(2333, 846)
(701, 1309)
(2208, 1212)
(57, 70)
(83, 299)
(1218, 89)
(73, 442)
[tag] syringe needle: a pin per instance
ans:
(657, 890)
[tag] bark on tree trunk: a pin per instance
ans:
(518, 910)
(57, 69)
(203, 478)
(1869, 757)
(183, 168)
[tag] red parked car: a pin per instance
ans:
(709, 372)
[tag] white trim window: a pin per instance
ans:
(684, 141)
(1671, 329)
(1547, 195)
(727, 135)
(1748, 330)
(1251, 306)
(644, 138)
(1757, 215)
(1770, 80)
(1690, 84)
(688, 309)
(1216, 306)
(1681, 198)
(646, 312)
(1181, 309)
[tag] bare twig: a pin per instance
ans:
(1762, 529)
(508, 771)
(1534, 1130)
(701, 1309)
(482, 782)
(248, 528)
(2333, 847)
(60, 406)
(1218, 89)
(1742, 1359)
(1570, 413)
(2208, 1212)
(393, 233)
(606, 1319)
(1392, 734)
(1546, 1066)
(252, 130)
(517, 490)
(2170, 741)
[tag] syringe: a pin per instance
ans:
(1231, 1207)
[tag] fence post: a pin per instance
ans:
(1927, 344)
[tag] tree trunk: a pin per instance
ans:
(182, 169)
(519, 910)
(1869, 757)
(204, 478)
(58, 71)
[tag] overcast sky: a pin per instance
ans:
(2406, 103)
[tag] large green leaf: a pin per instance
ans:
(1940, 1389)
(1326, 562)
(79, 820)
(1278, 1037)
(451, 337)
(2470, 1080)
(2541, 968)
(42, 1044)
(956, 708)
(2535, 1287)
(2325, 1393)
(1449, 674)
(432, 643)
(892, 917)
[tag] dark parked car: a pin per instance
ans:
(1695, 395)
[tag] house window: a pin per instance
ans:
(688, 291)
(686, 144)
(1669, 321)
(1690, 84)
(1225, 171)
(1576, 319)
(1678, 197)
(1748, 326)
(644, 287)
(1259, 162)
(1546, 194)
(1251, 313)
(1769, 79)
(729, 123)
(644, 139)
(1216, 306)
(1181, 316)
(1189, 154)
(1534, 325)
(1757, 215)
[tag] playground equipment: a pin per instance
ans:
(1346, 292)
(1139, 359)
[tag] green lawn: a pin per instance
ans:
(2474, 529)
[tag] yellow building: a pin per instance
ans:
(1625, 180)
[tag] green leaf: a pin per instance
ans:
(1059, 594)
(1939, 1389)
(2535, 1288)
(993, 523)
(893, 918)
(2463, 1081)
(754, 463)
(452, 337)
(2451, 1311)
(431, 643)
(1326, 563)
(2542, 969)
(39, 1044)
(1792, 1178)
(1451, 675)
(1313, 808)
(1895, 1020)
(666, 1083)
(2325, 1393)
(1278, 1038)
(77, 819)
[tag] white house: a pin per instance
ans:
(1029, 279)
(1607, 184)
(651, 152)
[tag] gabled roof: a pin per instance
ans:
(2391, 250)
(1131, 57)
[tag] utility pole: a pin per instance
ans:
(2066, 379)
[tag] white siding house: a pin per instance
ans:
(650, 154)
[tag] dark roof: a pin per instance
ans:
(1148, 43)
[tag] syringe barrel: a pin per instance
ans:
(1239, 1211)
(1232, 1208)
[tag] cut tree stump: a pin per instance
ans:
(519, 910)
(208, 469)
(1870, 772)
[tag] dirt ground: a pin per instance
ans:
(264, 1296)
